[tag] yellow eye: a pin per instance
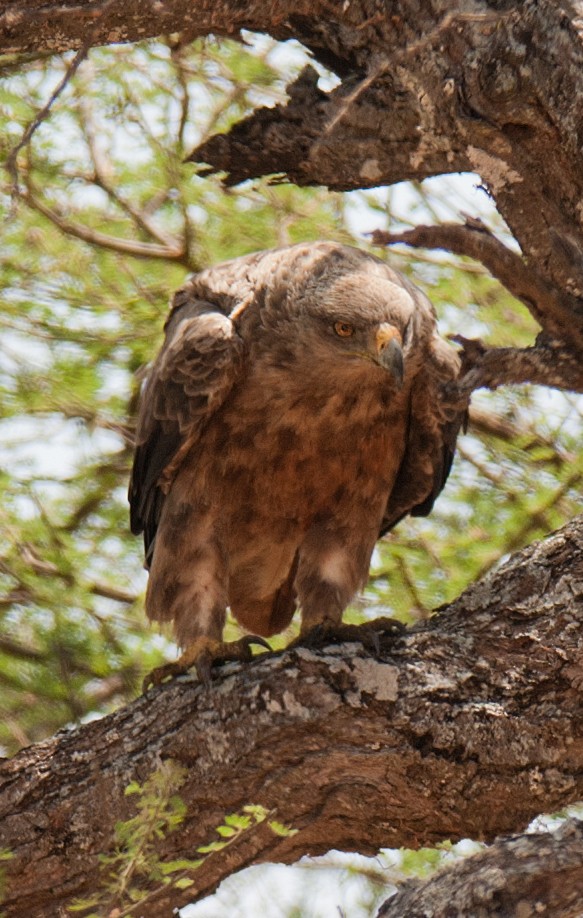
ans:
(344, 329)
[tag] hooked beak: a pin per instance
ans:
(389, 351)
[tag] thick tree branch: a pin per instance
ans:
(491, 367)
(469, 725)
(538, 874)
(61, 25)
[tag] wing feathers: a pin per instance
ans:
(193, 374)
(431, 439)
(202, 358)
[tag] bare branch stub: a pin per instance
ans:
(490, 367)
(324, 138)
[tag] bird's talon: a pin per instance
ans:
(203, 666)
(368, 634)
(158, 675)
(203, 654)
(255, 639)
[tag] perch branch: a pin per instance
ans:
(354, 750)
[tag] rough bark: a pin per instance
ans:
(523, 877)
(467, 726)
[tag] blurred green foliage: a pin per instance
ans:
(106, 224)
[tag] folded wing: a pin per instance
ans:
(192, 376)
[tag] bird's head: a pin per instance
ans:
(365, 341)
(363, 322)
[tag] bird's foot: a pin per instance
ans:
(368, 634)
(202, 654)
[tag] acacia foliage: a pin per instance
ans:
(102, 222)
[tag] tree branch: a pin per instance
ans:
(62, 25)
(115, 243)
(490, 367)
(42, 115)
(321, 138)
(103, 172)
(486, 694)
(533, 874)
(425, 91)
(489, 424)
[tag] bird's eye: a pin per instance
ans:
(344, 329)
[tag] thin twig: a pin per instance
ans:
(94, 237)
(489, 424)
(96, 12)
(103, 170)
(11, 164)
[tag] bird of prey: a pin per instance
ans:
(294, 414)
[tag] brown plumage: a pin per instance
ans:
(292, 416)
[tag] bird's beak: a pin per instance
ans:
(389, 351)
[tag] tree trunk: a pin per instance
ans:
(469, 725)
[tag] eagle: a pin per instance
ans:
(294, 414)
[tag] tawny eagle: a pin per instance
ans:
(293, 415)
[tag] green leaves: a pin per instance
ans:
(237, 823)
(128, 875)
(134, 872)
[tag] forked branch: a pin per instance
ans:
(490, 367)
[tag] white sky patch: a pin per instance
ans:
(51, 447)
(455, 195)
